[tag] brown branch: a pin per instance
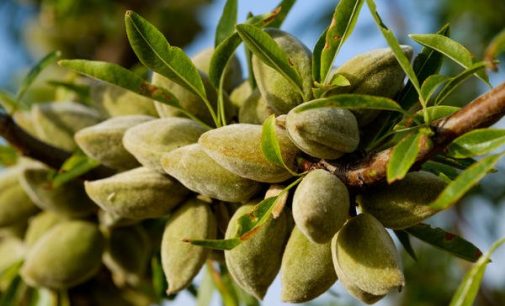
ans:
(35, 149)
(480, 113)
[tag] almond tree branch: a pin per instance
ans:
(33, 148)
(480, 113)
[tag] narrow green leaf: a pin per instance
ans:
(437, 112)
(460, 164)
(82, 91)
(154, 51)
(468, 288)
(446, 241)
(450, 48)
(426, 63)
(216, 244)
(494, 49)
(7, 102)
(404, 156)
(282, 10)
(227, 22)
(42, 297)
(404, 239)
(8, 155)
(316, 56)
(431, 84)
(9, 296)
(75, 166)
(352, 101)
(124, 78)
(439, 168)
(266, 49)
(270, 144)
(395, 47)
(342, 24)
(339, 80)
(206, 290)
(158, 280)
(454, 82)
(49, 59)
(476, 142)
(466, 180)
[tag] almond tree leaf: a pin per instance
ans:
(464, 182)
(316, 56)
(283, 10)
(426, 63)
(395, 47)
(431, 84)
(446, 241)
(75, 166)
(154, 51)
(158, 280)
(454, 82)
(404, 156)
(267, 50)
(404, 239)
(439, 168)
(124, 78)
(227, 22)
(468, 288)
(476, 142)
(342, 24)
(494, 49)
(437, 112)
(7, 102)
(216, 244)
(451, 49)
(352, 101)
(270, 144)
(49, 59)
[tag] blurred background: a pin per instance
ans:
(93, 29)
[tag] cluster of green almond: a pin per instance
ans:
(202, 181)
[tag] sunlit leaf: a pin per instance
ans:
(395, 47)
(352, 101)
(426, 63)
(341, 26)
(465, 181)
(75, 166)
(469, 287)
(270, 144)
(154, 51)
(446, 241)
(431, 84)
(282, 9)
(450, 48)
(476, 142)
(404, 156)
(437, 112)
(454, 82)
(227, 22)
(7, 102)
(216, 244)
(316, 56)
(49, 59)
(267, 50)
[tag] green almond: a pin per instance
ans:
(406, 202)
(307, 269)
(149, 141)
(137, 194)
(181, 260)
(191, 166)
(255, 262)
(56, 123)
(237, 147)
(320, 205)
(104, 141)
(67, 255)
(40, 224)
(115, 101)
